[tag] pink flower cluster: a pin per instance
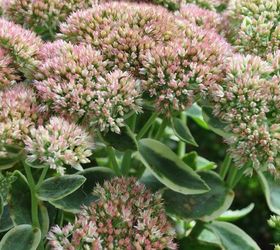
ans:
(8, 73)
(19, 111)
(126, 216)
(122, 31)
(20, 44)
(248, 101)
(255, 26)
(189, 66)
(207, 19)
(42, 16)
(74, 82)
(57, 144)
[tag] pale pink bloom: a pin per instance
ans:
(74, 82)
(113, 222)
(19, 112)
(59, 143)
(21, 45)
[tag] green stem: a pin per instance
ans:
(161, 128)
(133, 122)
(225, 166)
(113, 160)
(42, 177)
(232, 175)
(146, 127)
(34, 201)
(182, 145)
(126, 162)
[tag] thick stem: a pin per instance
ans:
(126, 162)
(42, 177)
(161, 129)
(225, 166)
(34, 201)
(146, 127)
(113, 160)
(232, 175)
(182, 145)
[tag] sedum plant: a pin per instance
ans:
(95, 101)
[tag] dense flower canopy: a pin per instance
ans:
(126, 216)
(122, 31)
(255, 25)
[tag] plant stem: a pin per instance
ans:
(126, 162)
(42, 177)
(161, 128)
(232, 175)
(146, 127)
(182, 145)
(225, 166)
(34, 201)
(113, 160)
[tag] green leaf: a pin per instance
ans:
(214, 123)
(34, 164)
(20, 200)
(169, 169)
(1, 205)
(195, 112)
(12, 157)
(123, 141)
(271, 188)
(6, 222)
(232, 237)
(206, 206)
(151, 182)
(83, 196)
(233, 215)
(22, 237)
(197, 162)
(44, 219)
(182, 131)
(193, 244)
(56, 188)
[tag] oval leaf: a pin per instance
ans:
(83, 196)
(197, 162)
(214, 123)
(6, 222)
(271, 189)
(123, 141)
(182, 131)
(206, 206)
(21, 237)
(13, 156)
(195, 112)
(232, 237)
(233, 215)
(169, 169)
(19, 201)
(1, 205)
(60, 186)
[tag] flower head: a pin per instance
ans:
(21, 45)
(207, 19)
(19, 112)
(191, 65)
(122, 31)
(126, 216)
(59, 143)
(42, 16)
(215, 5)
(255, 25)
(248, 101)
(8, 73)
(75, 82)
